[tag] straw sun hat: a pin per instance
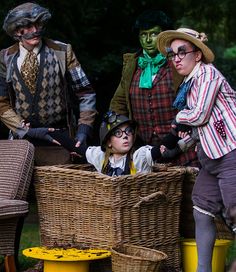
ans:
(165, 38)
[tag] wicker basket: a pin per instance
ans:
(130, 258)
(187, 225)
(84, 208)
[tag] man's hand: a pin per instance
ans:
(81, 138)
(42, 134)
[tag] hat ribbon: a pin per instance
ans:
(200, 36)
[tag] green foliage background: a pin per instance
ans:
(100, 31)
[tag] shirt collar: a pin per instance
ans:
(118, 162)
(24, 51)
(194, 71)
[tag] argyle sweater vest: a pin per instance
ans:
(46, 106)
(152, 108)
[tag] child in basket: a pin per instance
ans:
(116, 155)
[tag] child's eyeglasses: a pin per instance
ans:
(119, 132)
(110, 117)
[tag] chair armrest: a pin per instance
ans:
(13, 208)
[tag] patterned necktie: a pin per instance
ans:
(29, 70)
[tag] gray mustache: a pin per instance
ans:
(29, 36)
(35, 34)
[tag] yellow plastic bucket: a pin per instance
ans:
(189, 255)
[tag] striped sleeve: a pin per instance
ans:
(203, 93)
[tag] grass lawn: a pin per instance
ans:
(29, 238)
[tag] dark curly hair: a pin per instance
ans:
(150, 18)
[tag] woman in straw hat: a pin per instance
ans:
(207, 103)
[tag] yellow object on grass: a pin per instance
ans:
(69, 260)
(189, 254)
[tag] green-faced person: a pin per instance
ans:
(148, 40)
(149, 84)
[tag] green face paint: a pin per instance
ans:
(148, 40)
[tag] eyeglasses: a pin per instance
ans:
(110, 117)
(119, 132)
(181, 54)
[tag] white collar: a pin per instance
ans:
(24, 51)
(120, 162)
(194, 71)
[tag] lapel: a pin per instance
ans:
(130, 64)
(8, 58)
(60, 53)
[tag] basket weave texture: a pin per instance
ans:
(130, 258)
(187, 224)
(82, 208)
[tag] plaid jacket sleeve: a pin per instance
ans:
(81, 86)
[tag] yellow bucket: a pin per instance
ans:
(189, 255)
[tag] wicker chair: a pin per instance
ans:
(16, 167)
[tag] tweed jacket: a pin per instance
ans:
(69, 67)
(121, 100)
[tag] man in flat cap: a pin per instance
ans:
(37, 76)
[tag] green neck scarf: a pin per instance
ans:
(150, 66)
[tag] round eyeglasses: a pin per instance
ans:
(119, 132)
(181, 54)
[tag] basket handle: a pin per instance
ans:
(149, 197)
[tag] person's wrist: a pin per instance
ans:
(84, 129)
(80, 136)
